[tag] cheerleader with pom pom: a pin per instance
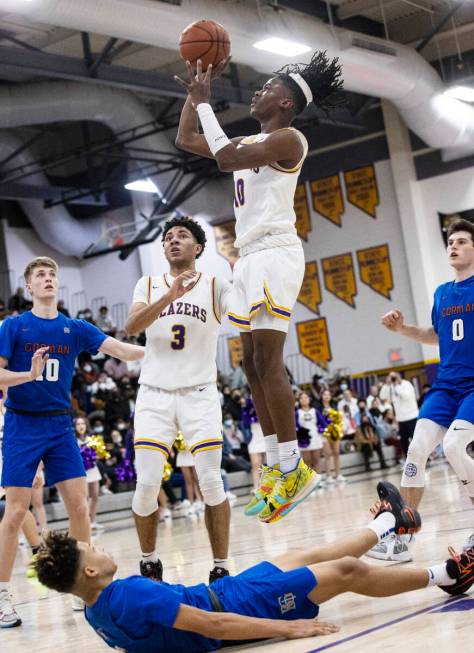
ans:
(330, 427)
(91, 450)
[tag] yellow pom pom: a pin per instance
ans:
(97, 443)
(168, 470)
(180, 442)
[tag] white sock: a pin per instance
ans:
(150, 557)
(438, 575)
(271, 447)
(221, 562)
(289, 456)
(383, 525)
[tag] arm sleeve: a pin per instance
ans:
(224, 288)
(90, 337)
(7, 337)
(142, 291)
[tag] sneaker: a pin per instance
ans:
(104, 490)
(198, 507)
(289, 490)
(461, 567)
(268, 479)
(397, 548)
(469, 543)
(330, 480)
(95, 526)
(341, 479)
(8, 615)
(153, 570)
(407, 520)
(216, 573)
(164, 515)
(77, 604)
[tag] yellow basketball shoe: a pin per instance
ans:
(290, 489)
(268, 479)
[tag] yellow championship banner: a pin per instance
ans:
(361, 189)
(225, 239)
(327, 198)
(313, 341)
(375, 269)
(303, 217)
(235, 351)
(310, 293)
(339, 277)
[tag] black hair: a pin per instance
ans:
(190, 224)
(459, 224)
(57, 562)
(323, 77)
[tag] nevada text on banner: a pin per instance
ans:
(310, 293)
(313, 341)
(361, 189)
(327, 198)
(225, 238)
(339, 277)
(303, 217)
(375, 269)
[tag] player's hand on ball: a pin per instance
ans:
(183, 284)
(393, 320)
(221, 66)
(38, 362)
(199, 84)
(310, 627)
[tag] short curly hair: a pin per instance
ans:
(190, 224)
(57, 562)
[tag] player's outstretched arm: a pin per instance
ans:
(226, 625)
(395, 321)
(142, 315)
(8, 378)
(122, 350)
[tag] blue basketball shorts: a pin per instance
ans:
(266, 591)
(445, 404)
(28, 439)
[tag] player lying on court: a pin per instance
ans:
(272, 599)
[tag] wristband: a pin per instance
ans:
(213, 132)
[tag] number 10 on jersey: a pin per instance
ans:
(51, 371)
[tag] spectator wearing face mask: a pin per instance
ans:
(401, 394)
(117, 407)
(367, 441)
(231, 403)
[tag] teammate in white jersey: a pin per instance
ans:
(268, 276)
(181, 312)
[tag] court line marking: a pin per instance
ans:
(392, 622)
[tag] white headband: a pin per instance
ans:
(303, 86)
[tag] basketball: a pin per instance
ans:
(205, 40)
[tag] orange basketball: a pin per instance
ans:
(205, 40)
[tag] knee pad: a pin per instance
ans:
(145, 499)
(455, 443)
(208, 470)
(150, 465)
(426, 438)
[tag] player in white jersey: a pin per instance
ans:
(268, 276)
(181, 312)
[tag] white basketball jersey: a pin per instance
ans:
(264, 197)
(181, 344)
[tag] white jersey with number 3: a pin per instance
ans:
(264, 197)
(181, 344)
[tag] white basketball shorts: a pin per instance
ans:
(266, 285)
(160, 414)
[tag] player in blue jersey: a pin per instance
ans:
(37, 421)
(447, 414)
(279, 598)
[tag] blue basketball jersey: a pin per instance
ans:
(136, 615)
(453, 320)
(22, 335)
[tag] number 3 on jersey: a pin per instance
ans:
(239, 198)
(458, 329)
(51, 371)
(179, 336)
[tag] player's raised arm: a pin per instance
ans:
(395, 321)
(9, 379)
(229, 626)
(142, 315)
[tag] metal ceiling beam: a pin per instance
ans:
(439, 26)
(46, 193)
(152, 83)
(358, 7)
